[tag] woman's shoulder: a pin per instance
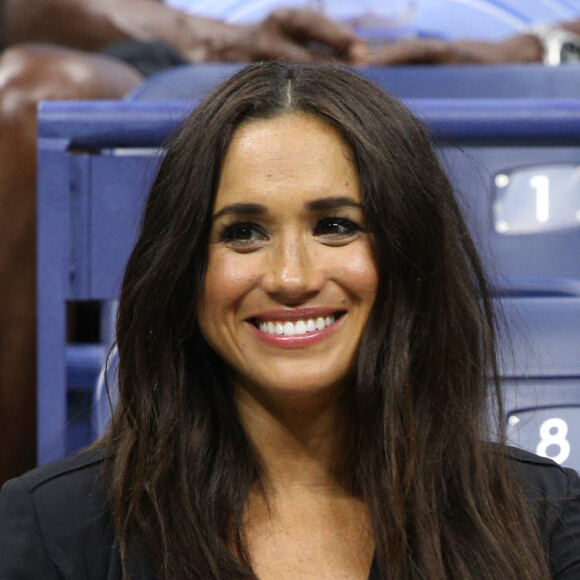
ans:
(81, 464)
(74, 482)
(541, 476)
(54, 520)
(84, 466)
(554, 495)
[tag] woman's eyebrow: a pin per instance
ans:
(316, 205)
(327, 203)
(241, 209)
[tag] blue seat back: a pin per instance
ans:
(97, 159)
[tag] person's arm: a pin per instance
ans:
(515, 49)
(89, 25)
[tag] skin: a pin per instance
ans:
(274, 259)
(521, 48)
(89, 25)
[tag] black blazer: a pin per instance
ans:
(54, 523)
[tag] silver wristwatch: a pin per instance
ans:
(559, 46)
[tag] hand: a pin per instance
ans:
(523, 48)
(293, 35)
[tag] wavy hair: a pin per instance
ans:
(443, 503)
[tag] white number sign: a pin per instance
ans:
(554, 431)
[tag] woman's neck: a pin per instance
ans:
(302, 446)
(304, 522)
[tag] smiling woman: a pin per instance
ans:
(307, 369)
(291, 278)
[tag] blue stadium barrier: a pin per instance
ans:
(96, 160)
(541, 383)
(192, 82)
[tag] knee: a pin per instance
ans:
(32, 73)
(17, 99)
(28, 74)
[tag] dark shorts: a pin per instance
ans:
(147, 57)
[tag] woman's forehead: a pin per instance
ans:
(292, 157)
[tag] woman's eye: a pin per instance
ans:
(242, 234)
(336, 228)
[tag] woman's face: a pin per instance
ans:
(291, 278)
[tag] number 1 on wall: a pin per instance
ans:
(541, 184)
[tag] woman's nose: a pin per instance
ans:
(292, 273)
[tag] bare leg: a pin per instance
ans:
(29, 74)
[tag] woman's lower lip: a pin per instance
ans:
(297, 340)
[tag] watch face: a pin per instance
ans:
(570, 52)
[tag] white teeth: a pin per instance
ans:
(288, 328)
(300, 327)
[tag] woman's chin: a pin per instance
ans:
(299, 389)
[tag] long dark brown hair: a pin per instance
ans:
(443, 504)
